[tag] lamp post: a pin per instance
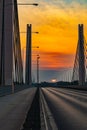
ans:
(35, 4)
(31, 32)
(2, 80)
(38, 57)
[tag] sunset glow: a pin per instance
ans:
(57, 23)
(53, 80)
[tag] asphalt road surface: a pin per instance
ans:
(68, 107)
(14, 108)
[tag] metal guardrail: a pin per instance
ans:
(6, 90)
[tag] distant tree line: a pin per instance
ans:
(56, 84)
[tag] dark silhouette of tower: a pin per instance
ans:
(28, 76)
(81, 55)
(11, 69)
(6, 42)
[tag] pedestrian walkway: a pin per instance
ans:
(14, 107)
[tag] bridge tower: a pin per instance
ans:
(28, 76)
(11, 69)
(6, 40)
(81, 55)
(79, 70)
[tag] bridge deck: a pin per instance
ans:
(68, 107)
(13, 109)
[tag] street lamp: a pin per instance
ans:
(31, 32)
(38, 57)
(2, 78)
(35, 4)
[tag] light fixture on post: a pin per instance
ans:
(38, 57)
(35, 4)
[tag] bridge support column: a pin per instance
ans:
(81, 55)
(28, 79)
(6, 42)
(10, 49)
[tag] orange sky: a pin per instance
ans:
(57, 23)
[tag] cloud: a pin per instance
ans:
(57, 22)
(54, 60)
(58, 15)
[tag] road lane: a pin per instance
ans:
(69, 107)
(13, 109)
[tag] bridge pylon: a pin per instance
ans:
(79, 70)
(28, 79)
(81, 55)
(11, 68)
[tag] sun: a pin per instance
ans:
(53, 80)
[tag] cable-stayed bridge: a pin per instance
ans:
(11, 69)
(11, 66)
(37, 108)
(80, 64)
